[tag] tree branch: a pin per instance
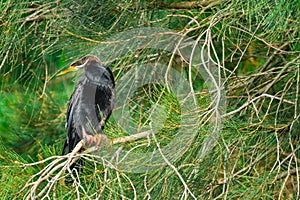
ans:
(56, 169)
(185, 4)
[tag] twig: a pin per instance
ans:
(186, 188)
(253, 100)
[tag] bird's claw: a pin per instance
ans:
(95, 140)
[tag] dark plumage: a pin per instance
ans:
(91, 103)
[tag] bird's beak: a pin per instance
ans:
(70, 69)
(73, 68)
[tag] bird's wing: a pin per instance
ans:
(70, 110)
(70, 141)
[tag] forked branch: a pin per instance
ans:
(55, 170)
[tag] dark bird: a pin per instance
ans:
(90, 105)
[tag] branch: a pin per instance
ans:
(185, 4)
(130, 138)
(56, 169)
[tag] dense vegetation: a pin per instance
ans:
(243, 142)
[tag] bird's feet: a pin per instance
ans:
(98, 140)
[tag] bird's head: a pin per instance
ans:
(94, 71)
(83, 62)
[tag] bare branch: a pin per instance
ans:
(60, 164)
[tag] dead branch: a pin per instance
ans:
(186, 4)
(60, 164)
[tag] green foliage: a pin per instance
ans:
(257, 46)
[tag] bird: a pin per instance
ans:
(89, 106)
